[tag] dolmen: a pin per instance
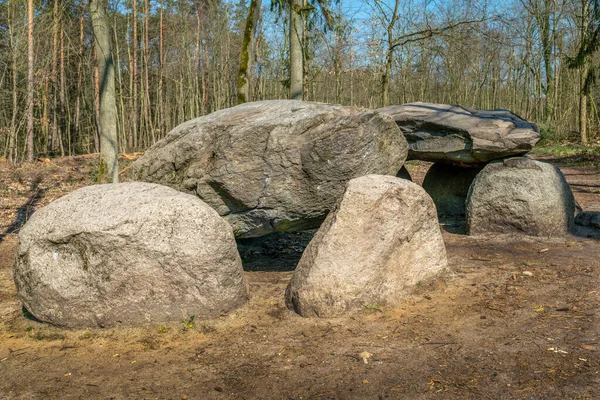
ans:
(165, 249)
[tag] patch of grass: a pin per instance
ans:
(48, 336)
(550, 134)
(94, 166)
(570, 154)
(163, 329)
(188, 323)
(85, 335)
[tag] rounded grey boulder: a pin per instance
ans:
(127, 254)
(374, 247)
(274, 166)
(520, 196)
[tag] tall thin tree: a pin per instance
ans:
(108, 170)
(245, 57)
(296, 57)
(30, 81)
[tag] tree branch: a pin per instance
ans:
(429, 32)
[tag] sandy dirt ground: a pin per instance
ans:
(514, 319)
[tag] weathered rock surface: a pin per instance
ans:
(520, 196)
(448, 186)
(129, 253)
(453, 134)
(274, 166)
(373, 248)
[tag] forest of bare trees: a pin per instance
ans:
(176, 60)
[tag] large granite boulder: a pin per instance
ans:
(453, 134)
(274, 166)
(448, 186)
(520, 196)
(127, 254)
(377, 244)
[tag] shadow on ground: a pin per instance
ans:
(274, 252)
(585, 158)
(587, 225)
(26, 210)
(455, 225)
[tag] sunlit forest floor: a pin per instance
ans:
(513, 320)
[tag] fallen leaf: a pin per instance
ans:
(590, 347)
(365, 355)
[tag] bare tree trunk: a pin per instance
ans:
(305, 53)
(54, 79)
(96, 101)
(108, 170)
(389, 55)
(205, 77)
(583, 75)
(77, 131)
(63, 100)
(385, 80)
(296, 61)
(30, 81)
(583, 97)
(245, 58)
(121, 131)
(12, 141)
(197, 72)
(147, 112)
(134, 136)
(161, 111)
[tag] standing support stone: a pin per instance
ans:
(520, 196)
(373, 248)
